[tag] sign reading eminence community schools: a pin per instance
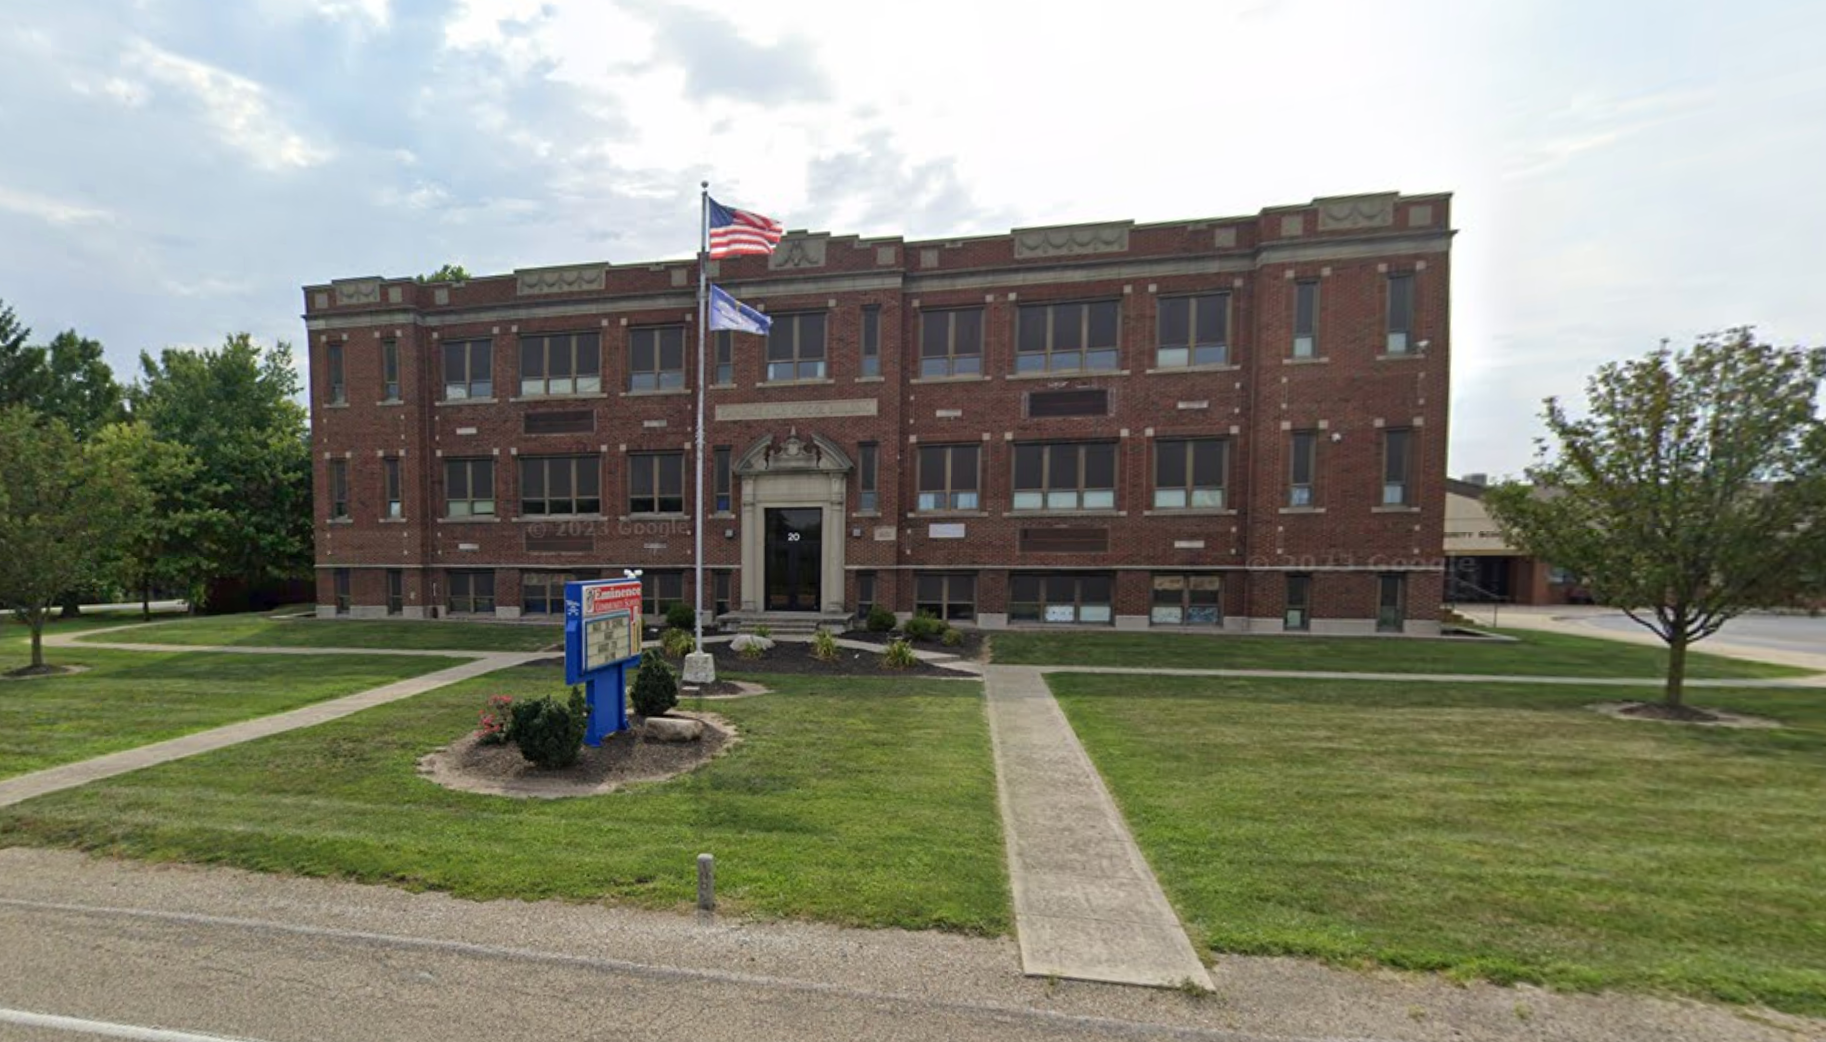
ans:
(601, 638)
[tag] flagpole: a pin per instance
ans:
(703, 378)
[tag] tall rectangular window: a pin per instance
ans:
(1401, 312)
(560, 363)
(1187, 600)
(1297, 612)
(1397, 465)
(795, 347)
(471, 593)
(659, 591)
(1194, 331)
(1071, 476)
(560, 485)
(390, 486)
(469, 488)
(951, 343)
(339, 489)
(868, 456)
(1060, 598)
(865, 593)
(948, 596)
(719, 590)
(340, 580)
(720, 479)
(1190, 473)
(656, 483)
(389, 370)
(1306, 318)
(396, 592)
(656, 359)
(338, 389)
(1053, 338)
(947, 477)
(871, 340)
(1391, 602)
(724, 342)
(468, 369)
(1303, 447)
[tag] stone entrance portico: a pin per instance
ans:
(795, 472)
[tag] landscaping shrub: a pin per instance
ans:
(655, 686)
(881, 620)
(679, 616)
(497, 721)
(548, 732)
(924, 626)
(898, 656)
(764, 631)
(750, 645)
(677, 643)
(824, 647)
(952, 638)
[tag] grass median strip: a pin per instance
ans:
(126, 699)
(1533, 653)
(379, 634)
(854, 800)
(1484, 831)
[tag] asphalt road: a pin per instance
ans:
(1780, 632)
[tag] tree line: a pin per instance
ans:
(195, 472)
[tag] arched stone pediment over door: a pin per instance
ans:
(793, 494)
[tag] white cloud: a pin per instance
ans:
(237, 109)
(50, 210)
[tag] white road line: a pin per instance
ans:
(105, 1029)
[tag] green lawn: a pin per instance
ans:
(379, 634)
(1535, 654)
(854, 800)
(1486, 831)
(127, 699)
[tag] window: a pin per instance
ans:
(1060, 598)
(951, 343)
(1305, 318)
(1298, 612)
(1065, 477)
(1194, 331)
(472, 593)
(1187, 600)
(339, 578)
(389, 467)
(560, 363)
(469, 488)
(339, 489)
(1190, 473)
(339, 391)
(1397, 449)
(795, 347)
(560, 485)
(720, 479)
(725, 358)
(1391, 602)
(1302, 447)
(865, 593)
(656, 483)
(871, 341)
(396, 592)
(656, 359)
(868, 500)
(719, 590)
(389, 370)
(542, 593)
(951, 597)
(947, 477)
(468, 369)
(1401, 312)
(1053, 338)
(659, 591)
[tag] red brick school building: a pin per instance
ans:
(1230, 423)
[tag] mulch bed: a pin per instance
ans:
(788, 656)
(623, 757)
(37, 672)
(1663, 713)
(972, 646)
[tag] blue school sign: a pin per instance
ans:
(601, 640)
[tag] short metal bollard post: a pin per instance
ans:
(706, 883)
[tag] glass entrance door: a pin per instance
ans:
(794, 558)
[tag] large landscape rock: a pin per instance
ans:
(673, 729)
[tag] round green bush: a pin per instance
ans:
(881, 620)
(923, 626)
(679, 616)
(550, 733)
(952, 637)
(655, 686)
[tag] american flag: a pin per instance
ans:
(734, 233)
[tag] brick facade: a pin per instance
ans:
(799, 443)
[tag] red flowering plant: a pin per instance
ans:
(497, 720)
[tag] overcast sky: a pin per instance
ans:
(173, 170)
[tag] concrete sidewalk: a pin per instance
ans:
(1086, 904)
(1574, 620)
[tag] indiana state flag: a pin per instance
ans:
(726, 312)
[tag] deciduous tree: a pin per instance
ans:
(166, 530)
